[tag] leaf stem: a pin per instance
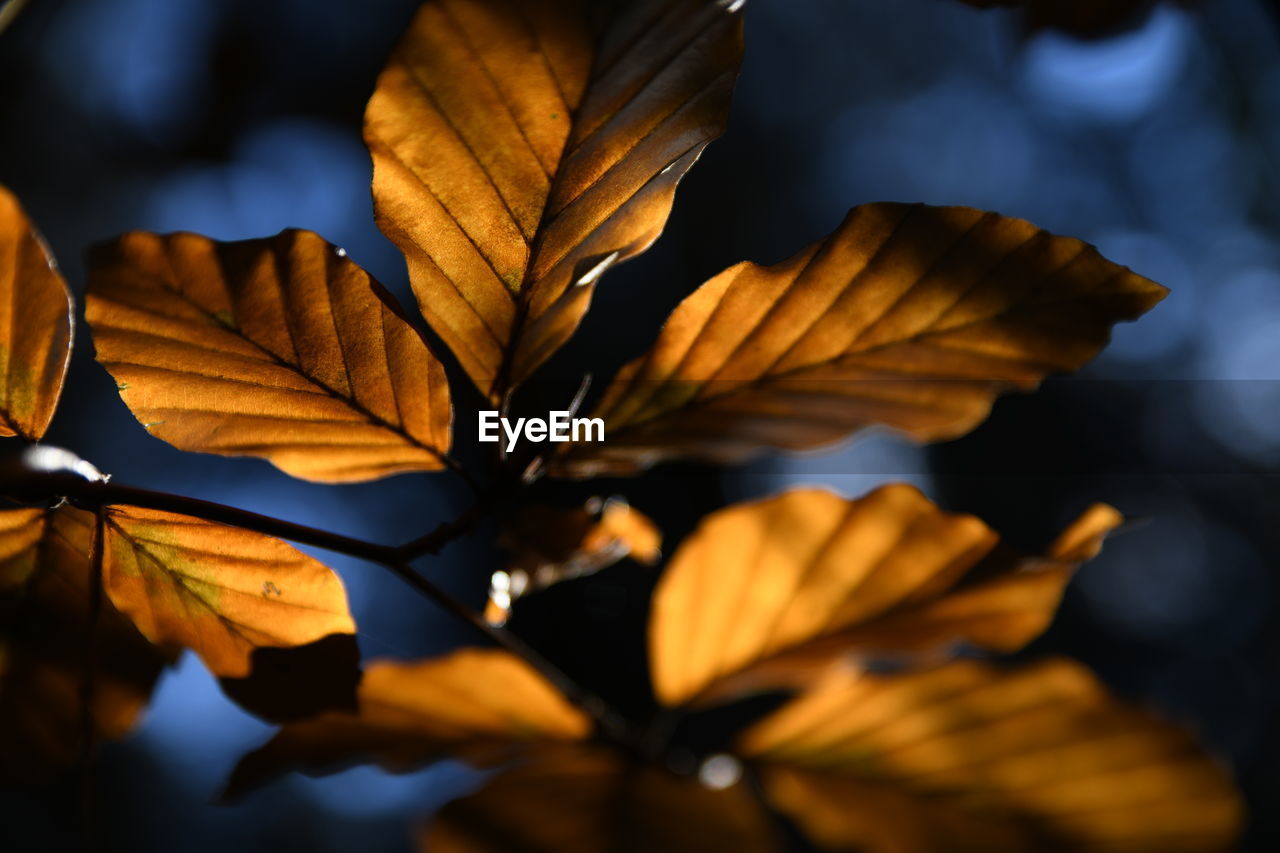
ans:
(610, 722)
(89, 495)
(95, 495)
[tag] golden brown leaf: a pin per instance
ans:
(909, 317)
(590, 800)
(476, 703)
(281, 348)
(221, 591)
(35, 326)
(520, 148)
(966, 757)
(551, 544)
(765, 593)
(47, 635)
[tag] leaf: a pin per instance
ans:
(908, 316)
(591, 799)
(519, 151)
(301, 681)
(35, 326)
(967, 757)
(552, 544)
(47, 635)
(220, 591)
(474, 703)
(280, 348)
(765, 593)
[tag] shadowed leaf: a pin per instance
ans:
(47, 636)
(481, 704)
(908, 317)
(220, 591)
(589, 800)
(521, 148)
(966, 757)
(35, 326)
(289, 684)
(552, 544)
(763, 594)
(281, 348)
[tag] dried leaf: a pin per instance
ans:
(482, 704)
(281, 348)
(221, 591)
(519, 151)
(46, 637)
(551, 544)
(908, 317)
(35, 326)
(586, 800)
(765, 593)
(966, 757)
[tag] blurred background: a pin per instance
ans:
(1159, 143)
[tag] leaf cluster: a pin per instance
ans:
(520, 150)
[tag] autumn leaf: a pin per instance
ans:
(763, 594)
(908, 317)
(482, 704)
(960, 758)
(48, 635)
(592, 800)
(221, 591)
(35, 326)
(968, 757)
(520, 149)
(553, 544)
(281, 348)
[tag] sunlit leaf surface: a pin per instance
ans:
(35, 326)
(967, 757)
(908, 317)
(486, 705)
(763, 594)
(281, 348)
(520, 148)
(220, 591)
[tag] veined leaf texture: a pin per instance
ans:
(521, 147)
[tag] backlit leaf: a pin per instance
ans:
(35, 326)
(281, 348)
(590, 800)
(764, 593)
(966, 757)
(482, 704)
(520, 148)
(47, 635)
(552, 544)
(220, 591)
(909, 317)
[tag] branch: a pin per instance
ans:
(50, 474)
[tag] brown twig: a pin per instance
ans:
(41, 484)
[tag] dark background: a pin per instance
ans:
(1160, 144)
